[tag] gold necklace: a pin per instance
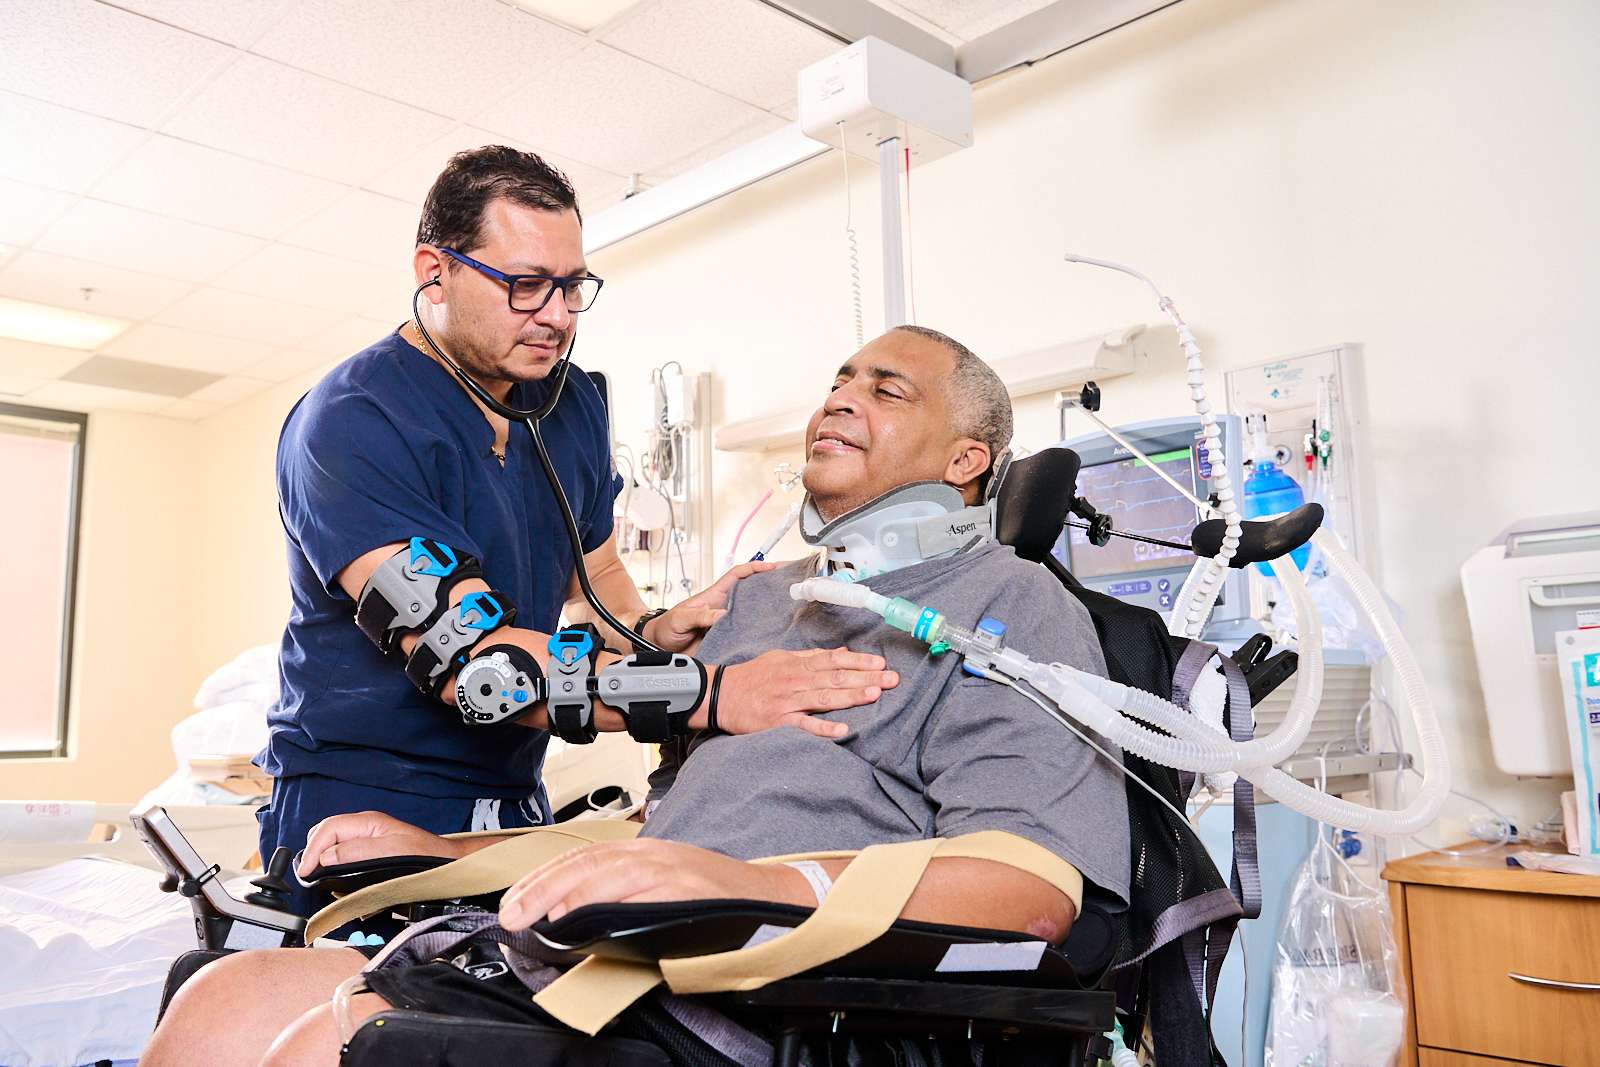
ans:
(498, 453)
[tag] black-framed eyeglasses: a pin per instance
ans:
(531, 292)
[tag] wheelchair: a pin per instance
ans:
(1150, 968)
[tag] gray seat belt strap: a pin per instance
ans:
(1196, 654)
(1245, 878)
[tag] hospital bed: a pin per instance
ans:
(1151, 968)
(92, 936)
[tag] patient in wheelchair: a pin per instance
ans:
(942, 754)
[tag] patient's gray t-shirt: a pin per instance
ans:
(941, 754)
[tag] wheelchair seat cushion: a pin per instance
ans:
(476, 983)
(477, 987)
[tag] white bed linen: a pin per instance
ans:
(86, 945)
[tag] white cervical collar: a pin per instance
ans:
(916, 522)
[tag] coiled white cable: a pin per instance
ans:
(1204, 584)
(852, 248)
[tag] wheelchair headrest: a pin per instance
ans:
(1033, 501)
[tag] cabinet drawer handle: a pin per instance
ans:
(1528, 979)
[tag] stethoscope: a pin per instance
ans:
(531, 418)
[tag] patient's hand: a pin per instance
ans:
(630, 872)
(370, 835)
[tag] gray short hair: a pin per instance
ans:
(979, 403)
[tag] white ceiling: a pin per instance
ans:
(241, 178)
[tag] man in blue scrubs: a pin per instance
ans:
(390, 446)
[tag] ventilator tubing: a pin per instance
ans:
(1195, 746)
(1111, 709)
(1198, 748)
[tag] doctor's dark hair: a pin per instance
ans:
(452, 215)
(979, 404)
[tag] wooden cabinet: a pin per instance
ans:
(1502, 964)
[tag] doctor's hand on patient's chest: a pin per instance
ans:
(684, 626)
(369, 835)
(782, 688)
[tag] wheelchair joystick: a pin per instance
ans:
(221, 921)
(272, 890)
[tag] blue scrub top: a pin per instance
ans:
(388, 447)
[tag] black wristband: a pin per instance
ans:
(716, 691)
(643, 620)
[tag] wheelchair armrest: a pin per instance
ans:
(911, 950)
(342, 878)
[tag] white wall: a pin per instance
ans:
(1413, 177)
(141, 592)
(1417, 178)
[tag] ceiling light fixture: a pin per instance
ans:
(50, 325)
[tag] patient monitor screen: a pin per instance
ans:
(1139, 502)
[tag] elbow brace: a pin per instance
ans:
(446, 646)
(409, 593)
(498, 685)
(410, 590)
(656, 692)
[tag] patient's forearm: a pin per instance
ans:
(965, 892)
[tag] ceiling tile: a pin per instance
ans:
(635, 116)
(237, 23)
(347, 338)
(291, 363)
(37, 361)
(472, 50)
(189, 409)
(266, 111)
(584, 15)
(138, 240)
(374, 229)
(14, 386)
(26, 209)
(970, 19)
(739, 47)
(766, 123)
(412, 178)
(229, 390)
(74, 396)
(60, 280)
(190, 181)
(174, 347)
(138, 376)
(98, 59)
(296, 275)
(65, 149)
(252, 318)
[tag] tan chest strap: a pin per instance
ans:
(865, 901)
